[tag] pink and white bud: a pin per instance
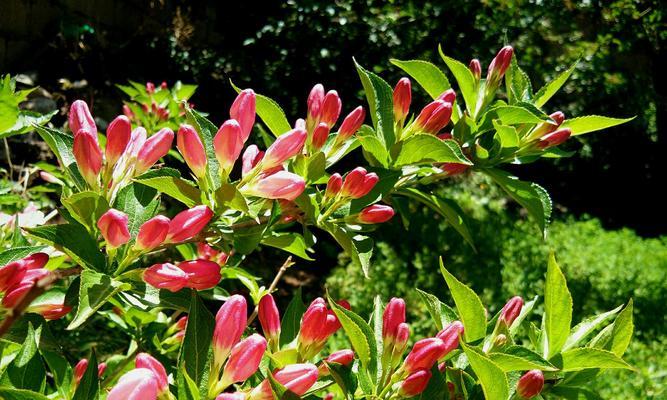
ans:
(375, 214)
(342, 357)
(145, 360)
(331, 106)
(231, 396)
(166, 276)
(320, 135)
(424, 354)
(297, 378)
(402, 99)
(334, 185)
(251, 157)
(188, 223)
(150, 87)
(315, 100)
(476, 69)
(244, 360)
(155, 147)
(230, 322)
(547, 127)
(152, 233)
(16, 293)
(202, 274)
(138, 384)
(448, 96)
(415, 383)
(400, 343)
(393, 316)
(190, 146)
(80, 119)
(351, 124)
(279, 185)
(243, 111)
(530, 384)
(118, 136)
(269, 318)
(228, 143)
(136, 143)
(127, 111)
(499, 66)
(511, 310)
(113, 227)
(88, 156)
(36, 260)
(554, 138)
(51, 311)
(101, 368)
(313, 322)
(285, 147)
(358, 183)
(50, 178)
(450, 335)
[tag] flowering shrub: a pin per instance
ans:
(238, 198)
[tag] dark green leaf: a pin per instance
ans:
(291, 321)
(89, 386)
(139, 202)
(26, 371)
(17, 253)
(86, 207)
(194, 356)
(289, 242)
(72, 239)
(94, 291)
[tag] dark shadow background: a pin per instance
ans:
(282, 48)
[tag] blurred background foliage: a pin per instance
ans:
(609, 223)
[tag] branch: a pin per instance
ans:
(288, 263)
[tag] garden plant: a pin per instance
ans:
(157, 216)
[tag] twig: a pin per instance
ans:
(288, 263)
(9, 159)
(37, 289)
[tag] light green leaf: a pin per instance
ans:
(290, 242)
(169, 182)
(372, 145)
(441, 313)
(229, 196)
(358, 247)
(468, 305)
(140, 203)
(622, 330)
(380, 101)
(86, 207)
(557, 309)
(547, 91)
(94, 291)
(270, 112)
(423, 148)
(430, 77)
(518, 358)
(490, 376)
(73, 240)
(187, 388)
(592, 123)
(7, 393)
(465, 80)
(588, 357)
(26, 371)
(587, 327)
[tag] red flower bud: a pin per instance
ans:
(511, 310)
(80, 369)
(163, 85)
(315, 99)
(182, 323)
(202, 274)
(251, 156)
(11, 274)
(547, 127)
(36, 260)
(331, 106)
(450, 336)
(342, 357)
(243, 111)
(244, 360)
(393, 316)
(127, 111)
(152, 233)
(434, 117)
(402, 99)
(230, 322)
(334, 185)
(118, 135)
(166, 276)
(448, 96)
(454, 168)
(358, 183)
(476, 68)
(400, 342)
(16, 293)
(145, 360)
(188, 223)
(375, 214)
(51, 311)
(554, 138)
(189, 144)
(285, 147)
(138, 384)
(320, 135)
(279, 185)
(113, 226)
(499, 65)
(269, 317)
(313, 322)
(228, 143)
(298, 378)
(351, 124)
(530, 384)
(424, 354)
(415, 383)
(88, 156)
(153, 149)
(80, 119)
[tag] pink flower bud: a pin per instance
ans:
(36, 260)
(351, 124)
(251, 156)
(320, 135)
(401, 340)
(499, 65)
(163, 85)
(145, 360)
(231, 396)
(244, 360)
(127, 111)
(554, 138)
(393, 316)
(136, 143)
(16, 293)
(228, 143)
(150, 87)
(189, 144)
(50, 178)
(434, 117)
(113, 226)
(243, 110)
(101, 367)
(279, 185)
(152, 233)
(118, 135)
(331, 106)
(313, 322)
(298, 378)
(81, 119)
(88, 156)
(138, 384)
(358, 183)
(424, 354)
(342, 357)
(511, 310)
(202, 274)
(450, 336)
(547, 127)
(166, 276)
(476, 69)
(454, 168)
(415, 383)
(182, 323)
(530, 384)
(315, 100)
(80, 369)
(11, 274)
(334, 185)
(402, 99)
(375, 214)
(230, 322)
(448, 96)
(285, 147)
(51, 311)
(155, 147)
(269, 317)
(188, 223)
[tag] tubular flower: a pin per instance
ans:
(279, 185)
(285, 147)
(476, 69)
(188, 223)
(402, 100)
(498, 66)
(393, 316)
(201, 274)
(331, 106)
(424, 354)
(228, 143)
(231, 396)
(11, 274)
(448, 96)
(153, 149)
(434, 117)
(315, 99)
(375, 214)
(138, 384)
(342, 357)
(79, 370)
(251, 157)
(358, 183)
(298, 378)
(547, 127)
(88, 156)
(400, 344)
(166, 276)
(351, 124)
(334, 185)
(244, 360)
(190, 146)
(152, 233)
(51, 311)
(450, 336)
(320, 135)
(113, 226)
(554, 138)
(243, 111)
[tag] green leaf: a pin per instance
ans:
(169, 182)
(86, 207)
(587, 327)
(518, 358)
(73, 240)
(518, 83)
(372, 145)
(430, 77)
(207, 131)
(229, 196)
(358, 247)
(291, 321)
(26, 371)
(521, 113)
(270, 112)
(61, 144)
(89, 386)
(344, 378)
(547, 91)
(490, 376)
(381, 103)
(557, 309)
(530, 195)
(18, 253)
(362, 339)
(7, 393)
(441, 313)
(9, 104)
(465, 80)
(26, 122)
(592, 123)
(187, 388)
(574, 393)
(588, 357)
(468, 305)
(139, 202)
(289, 242)
(60, 370)
(94, 291)
(423, 148)
(622, 331)
(194, 356)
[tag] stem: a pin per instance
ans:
(9, 159)
(288, 263)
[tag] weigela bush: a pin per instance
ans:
(239, 197)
